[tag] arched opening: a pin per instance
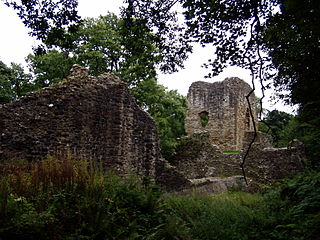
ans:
(204, 118)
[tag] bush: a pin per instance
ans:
(296, 207)
(69, 199)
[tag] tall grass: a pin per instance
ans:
(69, 199)
(64, 198)
(224, 216)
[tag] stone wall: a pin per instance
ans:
(90, 117)
(197, 158)
(226, 109)
(268, 164)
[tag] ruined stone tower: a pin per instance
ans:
(221, 109)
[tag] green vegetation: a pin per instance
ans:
(204, 118)
(231, 152)
(14, 83)
(69, 199)
(282, 127)
(106, 44)
(285, 127)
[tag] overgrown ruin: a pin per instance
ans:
(219, 120)
(89, 117)
(96, 118)
(221, 108)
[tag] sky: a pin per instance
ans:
(16, 44)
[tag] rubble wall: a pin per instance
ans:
(91, 117)
(227, 110)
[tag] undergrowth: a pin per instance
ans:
(69, 199)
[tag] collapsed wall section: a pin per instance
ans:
(91, 117)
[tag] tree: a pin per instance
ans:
(49, 68)
(292, 38)
(277, 40)
(99, 44)
(282, 127)
(14, 82)
(111, 44)
(157, 17)
(168, 109)
(5, 90)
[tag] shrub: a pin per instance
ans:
(296, 207)
(69, 199)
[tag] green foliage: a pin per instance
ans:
(292, 36)
(281, 126)
(49, 68)
(308, 130)
(98, 44)
(14, 82)
(69, 199)
(168, 109)
(204, 118)
(227, 216)
(231, 152)
(104, 44)
(162, 24)
(305, 127)
(296, 206)
(65, 198)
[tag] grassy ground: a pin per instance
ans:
(70, 199)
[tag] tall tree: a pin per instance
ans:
(168, 109)
(277, 40)
(49, 68)
(281, 125)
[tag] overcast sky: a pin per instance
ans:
(16, 44)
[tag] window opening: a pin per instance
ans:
(204, 118)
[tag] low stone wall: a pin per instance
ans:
(169, 179)
(197, 158)
(267, 164)
(264, 139)
(210, 185)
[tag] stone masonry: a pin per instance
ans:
(197, 158)
(90, 117)
(221, 109)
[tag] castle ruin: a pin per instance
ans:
(95, 118)
(222, 110)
